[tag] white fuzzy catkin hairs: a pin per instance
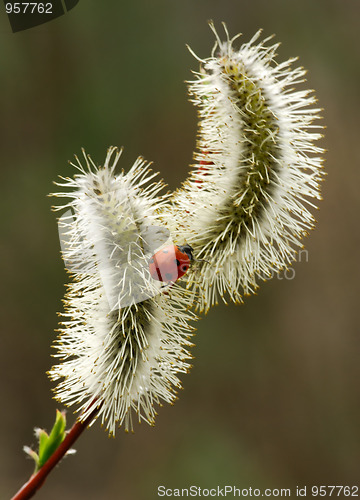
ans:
(244, 211)
(244, 208)
(117, 349)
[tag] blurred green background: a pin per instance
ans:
(273, 397)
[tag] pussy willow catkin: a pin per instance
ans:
(123, 340)
(244, 208)
(244, 211)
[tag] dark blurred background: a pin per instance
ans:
(273, 397)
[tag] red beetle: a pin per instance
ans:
(171, 262)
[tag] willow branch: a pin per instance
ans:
(35, 482)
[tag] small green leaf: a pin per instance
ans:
(31, 454)
(43, 437)
(48, 443)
